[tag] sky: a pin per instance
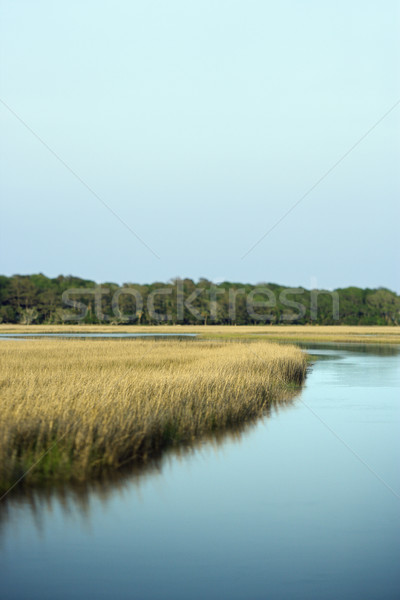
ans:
(148, 140)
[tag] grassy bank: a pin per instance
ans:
(78, 408)
(305, 333)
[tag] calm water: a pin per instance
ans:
(91, 335)
(284, 510)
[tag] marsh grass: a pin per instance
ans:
(378, 334)
(81, 408)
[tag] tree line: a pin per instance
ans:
(39, 299)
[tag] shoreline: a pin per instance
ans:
(72, 411)
(365, 334)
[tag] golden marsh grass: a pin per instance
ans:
(308, 333)
(78, 408)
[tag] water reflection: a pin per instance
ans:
(80, 497)
(372, 349)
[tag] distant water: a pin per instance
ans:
(303, 505)
(11, 336)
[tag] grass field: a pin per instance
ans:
(72, 409)
(312, 333)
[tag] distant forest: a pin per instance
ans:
(38, 299)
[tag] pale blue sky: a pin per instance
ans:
(200, 124)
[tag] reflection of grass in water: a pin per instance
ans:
(100, 406)
(371, 349)
(78, 495)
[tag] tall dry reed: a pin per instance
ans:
(71, 409)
